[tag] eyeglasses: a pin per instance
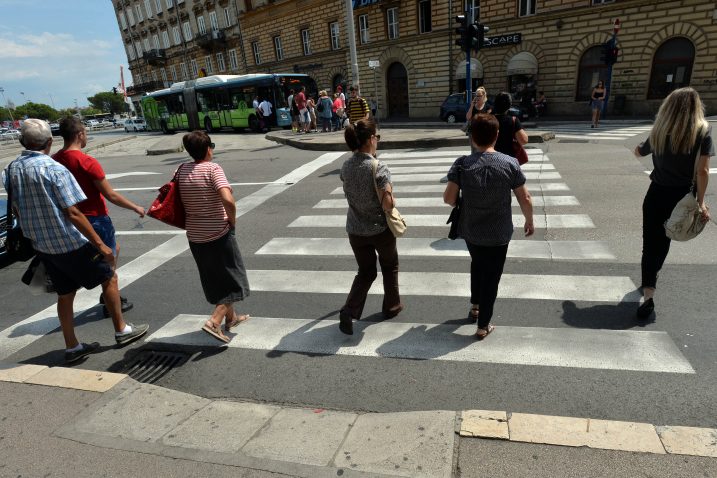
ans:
(212, 145)
(377, 136)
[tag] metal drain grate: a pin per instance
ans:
(151, 365)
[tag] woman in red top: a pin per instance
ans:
(210, 220)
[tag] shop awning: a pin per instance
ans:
(476, 70)
(523, 63)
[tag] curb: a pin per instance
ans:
(109, 143)
(157, 152)
(487, 424)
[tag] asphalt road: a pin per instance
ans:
(336, 372)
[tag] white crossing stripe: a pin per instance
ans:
(439, 188)
(434, 247)
(538, 201)
(132, 173)
(441, 153)
(443, 169)
(625, 350)
(449, 160)
(453, 284)
(552, 221)
(142, 232)
(428, 177)
(712, 171)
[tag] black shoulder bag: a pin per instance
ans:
(19, 247)
(456, 211)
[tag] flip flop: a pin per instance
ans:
(484, 332)
(238, 319)
(215, 331)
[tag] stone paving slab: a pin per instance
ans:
(689, 440)
(306, 436)
(144, 413)
(484, 424)
(411, 444)
(221, 427)
(90, 380)
(17, 372)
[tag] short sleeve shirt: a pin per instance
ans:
(199, 185)
(300, 100)
(86, 171)
(506, 132)
(41, 189)
(676, 170)
(486, 181)
(365, 216)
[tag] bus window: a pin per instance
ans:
(206, 101)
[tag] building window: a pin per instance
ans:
(130, 52)
(154, 76)
(195, 68)
(145, 42)
(177, 36)
(158, 4)
(424, 16)
(130, 17)
(592, 70)
(208, 64)
(185, 74)
(306, 41)
(474, 7)
(123, 20)
(155, 39)
(392, 23)
(278, 50)
(257, 55)
(526, 7)
(201, 25)
(138, 47)
(213, 22)
(363, 29)
(228, 17)
(173, 72)
(187, 31)
(148, 7)
(165, 39)
(335, 35)
(220, 62)
(163, 74)
(138, 9)
(671, 67)
(233, 63)
(169, 3)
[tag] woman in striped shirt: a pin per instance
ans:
(210, 221)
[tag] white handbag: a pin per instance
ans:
(684, 222)
(396, 222)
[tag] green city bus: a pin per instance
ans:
(222, 101)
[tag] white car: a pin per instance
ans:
(135, 124)
(9, 133)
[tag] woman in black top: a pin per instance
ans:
(509, 126)
(680, 130)
(596, 101)
(479, 104)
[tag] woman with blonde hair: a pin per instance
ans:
(679, 134)
(479, 104)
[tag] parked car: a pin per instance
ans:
(9, 134)
(55, 128)
(3, 232)
(135, 124)
(453, 109)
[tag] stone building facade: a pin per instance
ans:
(553, 46)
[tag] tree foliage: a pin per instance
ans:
(6, 115)
(107, 102)
(36, 110)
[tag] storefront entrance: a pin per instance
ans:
(523, 78)
(397, 91)
(476, 76)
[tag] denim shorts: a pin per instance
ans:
(105, 229)
(84, 267)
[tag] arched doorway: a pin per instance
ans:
(476, 75)
(522, 78)
(592, 70)
(671, 67)
(338, 80)
(397, 90)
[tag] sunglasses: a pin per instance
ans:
(212, 145)
(377, 136)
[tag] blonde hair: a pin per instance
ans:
(681, 117)
(482, 90)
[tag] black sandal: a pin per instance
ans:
(473, 314)
(483, 332)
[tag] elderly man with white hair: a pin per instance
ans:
(45, 197)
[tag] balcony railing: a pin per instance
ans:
(212, 39)
(155, 57)
(140, 88)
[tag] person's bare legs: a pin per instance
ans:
(220, 311)
(110, 291)
(595, 112)
(66, 314)
(648, 293)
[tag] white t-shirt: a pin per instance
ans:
(265, 108)
(255, 104)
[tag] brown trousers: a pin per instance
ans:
(365, 249)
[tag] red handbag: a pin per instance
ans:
(519, 152)
(168, 207)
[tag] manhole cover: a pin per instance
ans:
(151, 365)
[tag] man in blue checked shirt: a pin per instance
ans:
(45, 197)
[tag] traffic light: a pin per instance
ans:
(478, 31)
(613, 54)
(609, 53)
(463, 40)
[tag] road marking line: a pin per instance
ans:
(428, 247)
(155, 188)
(535, 188)
(150, 233)
(448, 160)
(442, 169)
(640, 351)
(552, 221)
(25, 332)
(133, 173)
(429, 177)
(406, 202)
(441, 154)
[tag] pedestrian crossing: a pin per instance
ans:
(417, 186)
(605, 132)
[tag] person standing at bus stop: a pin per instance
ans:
(356, 108)
(304, 118)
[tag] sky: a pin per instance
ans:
(56, 51)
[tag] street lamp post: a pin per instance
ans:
(2, 92)
(352, 41)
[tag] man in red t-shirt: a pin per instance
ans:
(304, 116)
(91, 177)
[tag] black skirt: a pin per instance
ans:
(221, 269)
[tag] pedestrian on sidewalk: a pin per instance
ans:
(304, 116)
(325, 109)
(486, 179)
(91, 177)
(265, 107)
(338, 113)
(211, 221)
(356, 108)
(311, 105)
(597, 98)
(679, 132)
(478, 105)
(510, 128)
(366, 225)
(45, 196)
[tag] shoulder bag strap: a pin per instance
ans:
(374, 166)
(700, 138)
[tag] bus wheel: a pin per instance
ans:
(254, 123)
(208, 125)
(163, 125)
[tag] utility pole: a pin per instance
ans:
(450, 50)
(241, 38)
(611, 53)
(352, 41)
(7, 105)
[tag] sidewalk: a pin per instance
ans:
(87, 421)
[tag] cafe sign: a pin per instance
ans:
(502, 40)
(364, 3)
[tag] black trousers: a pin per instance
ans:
(486, 270)
(656, 209)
